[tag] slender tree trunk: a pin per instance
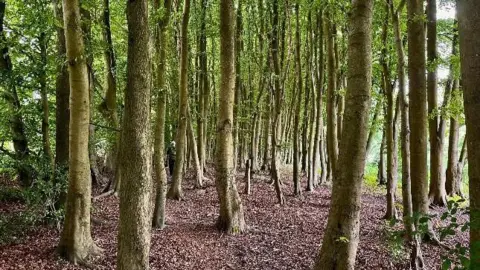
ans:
(159, 147)
(44, 100)
(277, 110)
(76, 243)
(298, 101)
(266, 134)
(341, 238)
(382, 179)
(332, 141)
(204, 87)
(437, 194)
(391, 212)
(175, 192)
(194, 149)
(231, 217)
(136, 189)
(469, 27)
(318, 152)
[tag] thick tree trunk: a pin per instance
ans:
(204, 87)
(418, 111)
(175, 192)
(159, 146)
(469, 27)
(298, 101)
(62, 94)
(437, 194)
(341, 238)
(231, 217)
(76, 243)
(136, 186)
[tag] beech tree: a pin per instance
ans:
(76, 243)
(231, 217)
(136, 186)
(469, 25)
(341, 237)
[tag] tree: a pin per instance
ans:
(76, 243)
(161, 36)
(469, 26)
(437, 194)
(341, 238)
(418, 107)
(136, 185)
(17, 126)
(62, 94)
(298, 101)
(231, 218)
(175, 191)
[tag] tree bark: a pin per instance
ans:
(175, 192)
(341, 238)
(437, 194)
(332, 141)
(76, 243)
(298, 101)
(277, 110)
(62, 94)
(159, 147)
(231, 218)
(469, 27)
(418, 108)
(136, 186)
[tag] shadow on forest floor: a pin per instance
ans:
(286, 237)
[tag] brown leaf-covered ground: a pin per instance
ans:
(278, 237)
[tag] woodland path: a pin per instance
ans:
(285, 237)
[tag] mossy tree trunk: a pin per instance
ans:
(175, 192)
(136, 186)
(161, 36)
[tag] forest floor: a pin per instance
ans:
(278, 237)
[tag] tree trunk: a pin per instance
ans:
(277, 110)
(437, 194)
(332, 141)
(194, 149)
(318, 151)
(17, 126)
(298, 101)
(382, 179)
(391, 212)
(231, 218)
(204, 87)
(136, 186)
(44, 100)
(76, 243)
(175, 192)
(62, 94)
(341, 237)
(469, 27)
(159, 147)
(418, 110)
